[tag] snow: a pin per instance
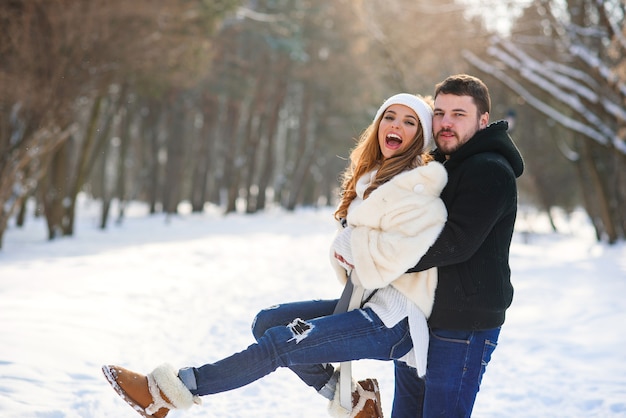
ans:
(185, 290)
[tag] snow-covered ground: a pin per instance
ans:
(184, 290)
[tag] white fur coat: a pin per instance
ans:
(393, 228)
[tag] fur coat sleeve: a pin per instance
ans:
(394, 227)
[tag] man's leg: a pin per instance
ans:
(408, 398)
(456, 363)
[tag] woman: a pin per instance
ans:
(392, 213)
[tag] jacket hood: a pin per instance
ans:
(494, 138)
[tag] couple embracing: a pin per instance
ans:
(426, 233)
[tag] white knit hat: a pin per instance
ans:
(420, 107)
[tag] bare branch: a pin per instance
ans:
(589, 131)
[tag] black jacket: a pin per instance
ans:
(472, 252)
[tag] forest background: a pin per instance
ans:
(252, 104)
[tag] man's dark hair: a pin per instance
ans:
(466, 85)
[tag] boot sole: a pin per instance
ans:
(112, 379)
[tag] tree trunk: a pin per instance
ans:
(123, 161)
(21, 213)
(104, 187)
(19, 161)
(54, 192)
(252, 137)
(280, 92)
(303, 162)
(175, 157)
(99, 159)
(206, 145)
(232, 163)
(150, 128)
(599, 195)
(82, 166)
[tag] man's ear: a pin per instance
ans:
(484, 120)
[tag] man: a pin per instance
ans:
(471, 253)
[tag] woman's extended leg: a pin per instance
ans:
(358, 334)
(353, 335)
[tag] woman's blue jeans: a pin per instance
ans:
(303, 336)
(456, 363)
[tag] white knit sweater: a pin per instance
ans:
(391, 231)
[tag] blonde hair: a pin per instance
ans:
(367, 156)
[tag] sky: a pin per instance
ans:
(497, 14)
(185, 290)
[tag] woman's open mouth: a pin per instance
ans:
(393, 141)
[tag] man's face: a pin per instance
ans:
(456, 120)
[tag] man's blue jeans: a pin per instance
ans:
(303, 336)
(456, 363)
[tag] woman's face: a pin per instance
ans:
(397, 130)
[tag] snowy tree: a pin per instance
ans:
(566, 60)
(61, 57)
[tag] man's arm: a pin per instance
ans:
(485, 191)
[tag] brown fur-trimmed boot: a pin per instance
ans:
(365, 401)
(153, 395)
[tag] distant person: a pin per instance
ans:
(392, 213)
(471, 254)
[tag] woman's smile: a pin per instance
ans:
(397, 130)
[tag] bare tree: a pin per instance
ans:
(55, 54)
(568, 67)
(277, 77)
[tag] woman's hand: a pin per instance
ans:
(342, 249)
(343, 262)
